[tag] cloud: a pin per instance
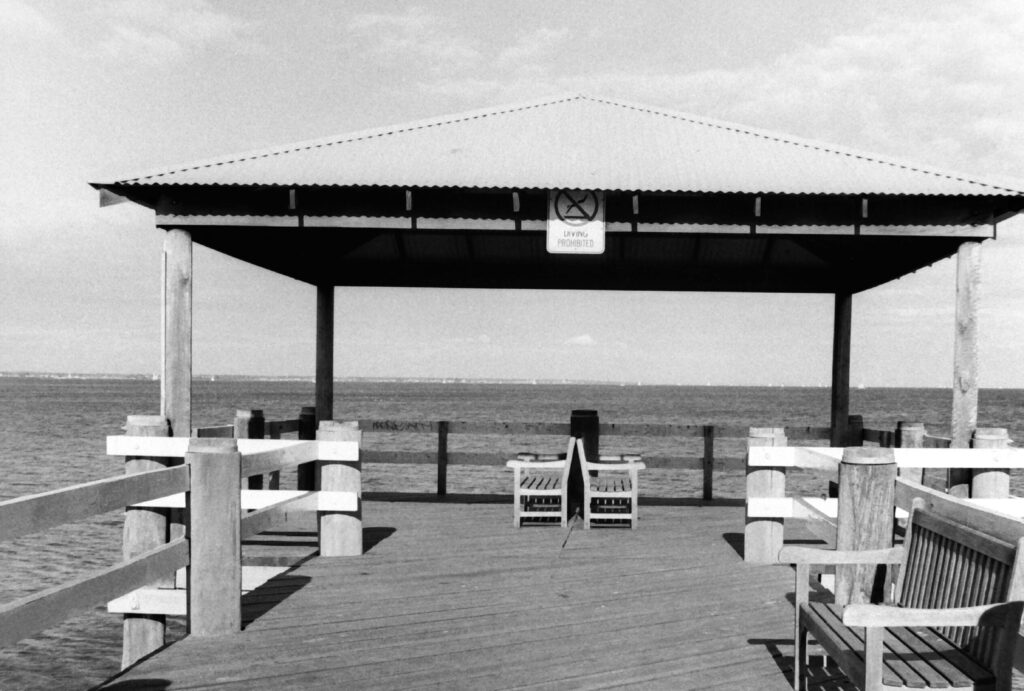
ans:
(541, 42)
(159, 31)
(417, 35)
(581, 340)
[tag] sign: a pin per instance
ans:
(575, 222)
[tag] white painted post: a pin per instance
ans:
(215, 566)
(762, 537)
(341, 533)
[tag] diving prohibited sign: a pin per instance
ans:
(575, 222)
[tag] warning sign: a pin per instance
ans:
(575, 222)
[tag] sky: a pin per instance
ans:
(108, 88)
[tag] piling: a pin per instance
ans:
(341, 533)
(910, 435)
(990, 483)
(762, 537)
(306, 472)
(250, 424)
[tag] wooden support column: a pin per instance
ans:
(324, 352)
(867, 499)
(910, 435)
(965, 359)
(215, 566)
(341, 533)
(841, 330)
(144, 529)
(176, 375)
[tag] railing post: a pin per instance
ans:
(215, 567)
(709, 460)
(341, 533)
(867, 489)
(762, 537)
(250, 424)
(910, 435)
(585, 425)
(306, 472)
(855, 430)
(990, 483)
(144, 529)
(442, 458)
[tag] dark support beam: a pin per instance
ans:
(325, 352)
(842, 327)
(176, 353)
(965, 357)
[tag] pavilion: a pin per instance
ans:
(678, 203)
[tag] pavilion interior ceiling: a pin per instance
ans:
(480, 238)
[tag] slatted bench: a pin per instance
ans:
(540, 485)
(952, 622)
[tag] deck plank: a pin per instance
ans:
(452, 596)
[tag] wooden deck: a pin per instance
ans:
(450, 595)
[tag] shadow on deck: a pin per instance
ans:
(451, 595)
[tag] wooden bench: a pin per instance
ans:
(610, 488)
(951, 623)
(540, 486)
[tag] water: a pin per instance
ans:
(52, 434)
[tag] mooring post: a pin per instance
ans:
(215, 566)
(708, 432)
(341, 532)
(250, 424)
(990, 483)
(762, 537)
(867, 499)
(855, 430)
(306, 472)
(144, 529)
(910, 435)
(585, 425)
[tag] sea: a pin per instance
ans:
(53, 431)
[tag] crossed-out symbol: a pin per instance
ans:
(576, 208)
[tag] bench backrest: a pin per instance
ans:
(947, 564)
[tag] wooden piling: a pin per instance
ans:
(841, 332)
(910, 435)
(325, 352)
(341, 533)
(442, 458)
(990, 483)
(215, 571)
(585, 425)
(306, 472)
(762, 537)
(708, 462)
(867, 499)
(250, 424)
(854, 430)
(176, 352)
(144, 529)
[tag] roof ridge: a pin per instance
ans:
(807, 143)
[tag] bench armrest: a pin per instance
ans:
(812, 555)
(516, 463)
(1000, 614)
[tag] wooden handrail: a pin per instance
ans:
(38, 512)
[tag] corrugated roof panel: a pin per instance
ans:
(577, 141)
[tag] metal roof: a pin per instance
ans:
(578, 142)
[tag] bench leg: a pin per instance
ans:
(799, 657)
(873, 658)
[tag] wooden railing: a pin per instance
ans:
(185, 510)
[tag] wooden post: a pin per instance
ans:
(325, 352)
(585, 425)
(762, 537)
(867, 498)
(144, 529)
(965, 360)
(910, 435)
(854, 430)
(442, 458)
(990, 483)
(341, 533)
(841, 330)
(709, 460)
(176, 380)
(306, 472)
(250, 424)
(215, 567)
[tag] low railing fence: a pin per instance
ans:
(185, 519)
